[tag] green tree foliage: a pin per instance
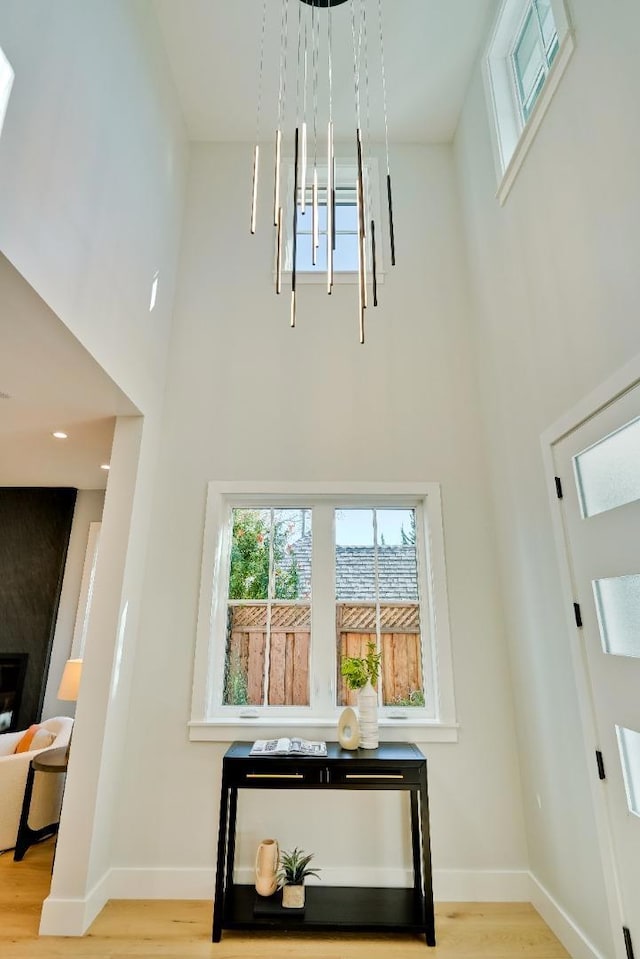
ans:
(249, 574)
(409, 539)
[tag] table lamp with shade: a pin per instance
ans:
(70, 685)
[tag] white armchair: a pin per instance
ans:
(47, 789)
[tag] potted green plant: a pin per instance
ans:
(358, 671)
(361, 673)
(294, 869)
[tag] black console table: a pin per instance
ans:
(392, 766)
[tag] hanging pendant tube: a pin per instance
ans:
(279, 253)
(295, 229)
(361, 264)
(374, 269)
(333, 205)
(276, 180)
(360, 298)
(254, 192)
(330, 209)
(392, 237)
(315, 242)
(362, 234)
(303, 174)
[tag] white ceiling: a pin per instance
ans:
(430, 48)
(53, 384)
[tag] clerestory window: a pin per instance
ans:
(530, 47)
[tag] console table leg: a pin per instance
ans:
(231, 844)
(415, 843)
(426, 866)
(218, 902)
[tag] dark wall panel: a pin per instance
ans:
(34, 535)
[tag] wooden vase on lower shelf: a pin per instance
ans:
(267, 859)
(293, 897)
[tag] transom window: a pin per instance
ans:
(529, 49)
(292, 582)
(534, 51)
(345, 253)
(345, 238)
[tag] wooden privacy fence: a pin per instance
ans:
(288, 680)
(288, 683)
(399, 643)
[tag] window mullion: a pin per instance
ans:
(267, 641)
(323, 663)
(543, 45)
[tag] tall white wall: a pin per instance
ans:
(92, 157)
(555, 290)
(92, 173)
(248, 398)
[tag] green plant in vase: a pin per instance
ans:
(294, 869)
(361, 673)
(359, 670)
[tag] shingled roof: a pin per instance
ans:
(355, 568)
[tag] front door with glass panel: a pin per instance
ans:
(599, 464)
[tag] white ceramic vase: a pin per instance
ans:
(368, 716)
(348, 729)
(267, 861)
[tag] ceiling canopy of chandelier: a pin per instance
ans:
(308, 36)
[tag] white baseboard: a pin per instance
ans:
(162, 883)
(561, 924)
(450, 885)
(481, 885)
(72, 917)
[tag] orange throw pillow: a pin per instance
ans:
(25, 743)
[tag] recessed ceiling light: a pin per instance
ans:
(59, 435)
(105, 466)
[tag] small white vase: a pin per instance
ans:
(267, 860)
(348, 729)
(368, 716)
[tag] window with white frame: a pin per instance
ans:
(295, 580)
(345, 226)
(345, 241)
(528, 52)
(6, 82)
(533, 53)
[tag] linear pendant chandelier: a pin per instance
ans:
(311, 40)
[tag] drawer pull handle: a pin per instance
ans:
(374, 776)
(275, 776)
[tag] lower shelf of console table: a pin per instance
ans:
(349, 908)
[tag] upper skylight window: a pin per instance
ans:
(534, 52)
(6, 82)
(528, 52)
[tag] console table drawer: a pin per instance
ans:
(267, 773)
(376, 775)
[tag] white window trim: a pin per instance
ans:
(209, 653)
(511, 139)
(346, 175)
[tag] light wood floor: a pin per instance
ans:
(182, 930)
